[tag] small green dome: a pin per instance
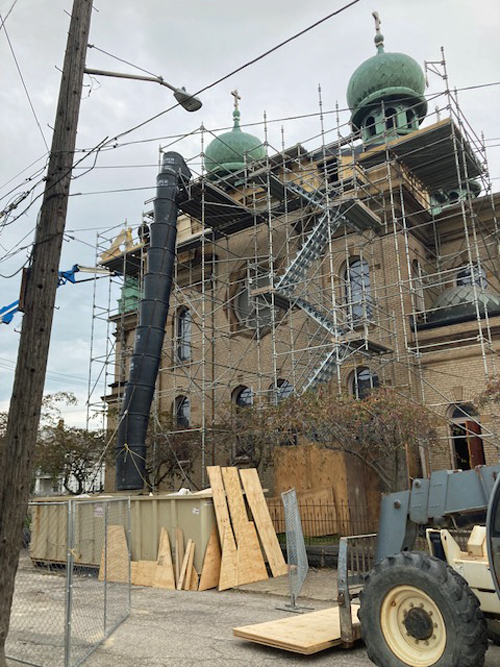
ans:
(230, 151)
(460, 301)
(386, 77)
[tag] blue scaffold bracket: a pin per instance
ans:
(8, 312)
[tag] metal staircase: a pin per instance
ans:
(333, 214)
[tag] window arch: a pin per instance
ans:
(390, 118)
(370, 126)
(243, 397)
(470, 274)
(182, 411)
(362, 381)
(183, 333)
(468, 449)
(281, 391)
(358, 289)
(418, 286)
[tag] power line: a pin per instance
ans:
(23, 82)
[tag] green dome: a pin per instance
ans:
(386, 77)
(228, 152)
(459, 301)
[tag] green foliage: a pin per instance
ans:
(383, 429)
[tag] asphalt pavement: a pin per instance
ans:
(184, 629)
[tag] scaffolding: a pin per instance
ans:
(327, 262)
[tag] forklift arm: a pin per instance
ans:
(447, 493)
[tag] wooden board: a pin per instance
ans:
(189, 569)
(179, 552)
(260, 511)
(164, 573)
(229, 564)
(251, 566)
(220, 505)
(210, 572)
(144, 573)
(116, 551)
(236, 502)
(182, 574)
(193, 584)
(305, 634)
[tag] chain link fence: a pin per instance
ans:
(73, 581)
(298, 565)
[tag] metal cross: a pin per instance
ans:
(234, 93)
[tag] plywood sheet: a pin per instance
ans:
(189, 569)
(251, 566)
(220, 504)
(182, 573)
(210, 572)
(179, 552)
(164, 574)
(193, 584)
(116, 551)
(306, 634)
(144, 572)
(229, 565)
(262, 518)
(235, 501)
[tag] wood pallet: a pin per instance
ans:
(305, 634)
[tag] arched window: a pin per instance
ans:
(418, 286)
(363, 380)
(410, 117)
(358, 289)
(472, 274)
(370, 126)
(183, 334)
(468, 450)
(243, 397)
(283, 390)
(182, 411)
(390, 118)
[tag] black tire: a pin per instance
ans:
(494, 630)
(407, 596)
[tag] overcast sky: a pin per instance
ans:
(193, 44)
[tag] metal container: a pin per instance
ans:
(193, 514)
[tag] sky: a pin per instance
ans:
(192, 44)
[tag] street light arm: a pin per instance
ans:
(187, 101)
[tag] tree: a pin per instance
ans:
(69, 453)
(385, 430)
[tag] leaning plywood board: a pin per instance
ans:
(267, 534)
(164, 575)
(251, 566)
(114, 558)
(179, 552)
(306, 634)
(182, 574)
(220, 504)
(210, 572)
(236, 502)
(229, 564)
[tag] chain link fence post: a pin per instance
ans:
(298, 565)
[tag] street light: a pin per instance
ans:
(186, 100)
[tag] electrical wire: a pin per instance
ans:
(23, 82)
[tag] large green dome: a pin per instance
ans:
(386, 77)
(230, 151)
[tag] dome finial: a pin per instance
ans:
(379, 37)
(236, 112)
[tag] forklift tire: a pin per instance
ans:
(494, 630)
(417, 611)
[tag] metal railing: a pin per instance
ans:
(73, 581)
(323, 523)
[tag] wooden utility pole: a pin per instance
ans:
(16, 464)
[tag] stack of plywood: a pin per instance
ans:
(236, 552)
(244, 542)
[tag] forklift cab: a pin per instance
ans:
(493, 535)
